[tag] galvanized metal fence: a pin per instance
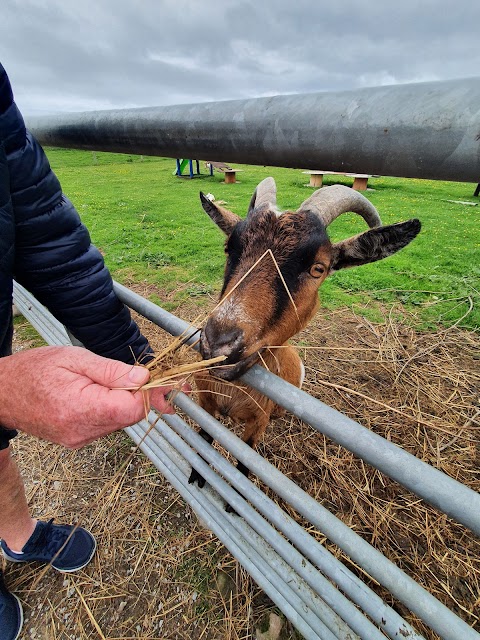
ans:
(319, 595)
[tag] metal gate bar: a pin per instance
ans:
(390, 622)
(296, 561)
(241, 544)
(434, 486)
(284, 579)
(417, 599)
(421, 130)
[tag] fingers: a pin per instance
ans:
(124, 408)
(161, 398)
(103, 412)
(135, 377)
(159, 401)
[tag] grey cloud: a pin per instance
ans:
(63, 55)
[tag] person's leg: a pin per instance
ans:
(16, 527)
(24, 539)
(16, 523)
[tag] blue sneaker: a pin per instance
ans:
(75, 550)
(11, 614)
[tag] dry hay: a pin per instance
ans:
(159, 574)
(419, 391)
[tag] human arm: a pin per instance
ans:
(56, 261)
(71, 396)
(54, 258)
(51, 254)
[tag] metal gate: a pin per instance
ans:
(322, 598)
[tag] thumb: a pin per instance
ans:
(128, 376)
(113, 374)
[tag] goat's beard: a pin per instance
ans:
(231, 372)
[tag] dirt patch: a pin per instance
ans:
(159, 574)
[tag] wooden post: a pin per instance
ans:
(360, 183)
(230, 176)
(316, 179)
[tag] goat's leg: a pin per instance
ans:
(246, 472)
(195, 476)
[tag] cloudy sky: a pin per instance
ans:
(77, 55)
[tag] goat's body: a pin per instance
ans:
(245, 405)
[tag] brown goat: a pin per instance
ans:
(275, 264)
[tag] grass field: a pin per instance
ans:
(150, 227)
(158, 572)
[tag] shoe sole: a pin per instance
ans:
(20, 610)
(18, 561)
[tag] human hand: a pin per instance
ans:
(161, 398)
(71, 396)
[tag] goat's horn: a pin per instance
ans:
(330, 202)
(265, 193)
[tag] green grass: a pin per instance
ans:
(27, 333)
(150, 226)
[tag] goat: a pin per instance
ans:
(275, 265)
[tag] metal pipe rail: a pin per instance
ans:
(304, 608)
(289, 565)
(445, 493)
(425, 130)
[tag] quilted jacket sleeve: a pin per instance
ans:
(54, 257)
(7, 245)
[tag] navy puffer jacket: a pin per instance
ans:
(46, 248)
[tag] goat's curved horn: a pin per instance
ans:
(330, 202)
(265, 193)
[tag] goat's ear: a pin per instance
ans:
(223, 218)
(373, 245)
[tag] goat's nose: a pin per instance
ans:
(217, 342)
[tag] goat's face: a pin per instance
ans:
(275, 265)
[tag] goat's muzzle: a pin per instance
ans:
(217, 341)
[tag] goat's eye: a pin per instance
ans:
(317, 270)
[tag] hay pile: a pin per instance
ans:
(158, 574)
(421, 391)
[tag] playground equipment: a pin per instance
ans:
(183, 164)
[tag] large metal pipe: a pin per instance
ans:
(426, 130)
